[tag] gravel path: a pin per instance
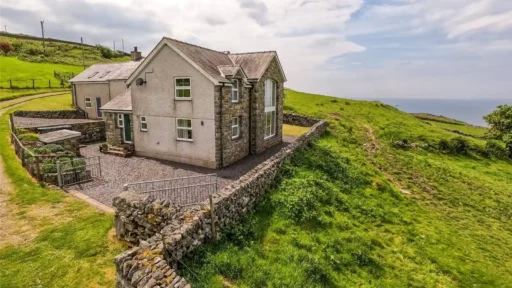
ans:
(25, 122)
(117, 171)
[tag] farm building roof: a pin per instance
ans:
(106, 72)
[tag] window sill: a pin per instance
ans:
(185, 140)
(269, 137)
(143, 130)
(183, 99)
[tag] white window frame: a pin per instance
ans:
(143, 120)
(182, 88)
(233, 90)
(270, 110)
(235, 126)
(184, 128)
(120, 120)
(88, 102)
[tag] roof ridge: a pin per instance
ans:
(256, 52)
(229, 65)
(183, 42)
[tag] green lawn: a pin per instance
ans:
(352, 211)
(293, 130)
(52, 240)
(59, 102)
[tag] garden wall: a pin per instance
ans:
(299, 120)
(52, 114)
(185, 230)
(91, 131)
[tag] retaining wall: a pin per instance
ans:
(184, 230)
(91, 131)
(299, 120)
(52, 114)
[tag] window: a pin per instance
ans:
(120, 120)
(182, 88)
(270, 108)
(93, 74)
(88, 103)
(143, 123)
(235, 127)
(104, 74)
(184, 129)
(234, 91)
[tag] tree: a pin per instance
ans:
(105, 51)
(500, 121)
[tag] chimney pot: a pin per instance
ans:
(135, 48)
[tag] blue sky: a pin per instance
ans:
(450, 49)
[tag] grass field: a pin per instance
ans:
(470, 130)
(352, 211)
(293, 130)
(8, 94)
(50, 239)
(22, 72)
(59, 102)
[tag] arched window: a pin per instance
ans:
(270, 108)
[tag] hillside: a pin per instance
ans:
(375, 202)
(25, 64)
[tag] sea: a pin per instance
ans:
(469, 111)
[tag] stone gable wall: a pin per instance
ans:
(184, 230)
(52, 114)
(258, 142)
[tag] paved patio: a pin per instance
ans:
(117, 171)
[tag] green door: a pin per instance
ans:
(127, 128)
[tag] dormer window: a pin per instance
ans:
(234, 91)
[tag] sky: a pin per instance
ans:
(431, 49)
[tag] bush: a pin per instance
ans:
(5, 47)
(105, 52)
(17, 46)
(459, 145)
(54, 148)
(29, 137)
(495, 149)
(444, 146)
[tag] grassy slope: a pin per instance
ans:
(67, 243)
(342, 215)
(7, 94)
(471, 130)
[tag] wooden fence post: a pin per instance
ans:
(10, 83)
(59, 175)
(49, 84)
(11, 122)
(33, 86)
(22, 156)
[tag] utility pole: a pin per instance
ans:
(83, 53)
(42, 32)
(5, 27)
(114, 45)
(122, 43)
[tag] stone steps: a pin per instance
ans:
(117, 151)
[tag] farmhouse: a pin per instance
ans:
(101, 83)
(198, 106)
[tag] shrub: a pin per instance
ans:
(444, 146)
(495, 149)
(17, 46)
(459, 145)
(29, 137)
(54, 148)
(105, 52)
(5, 47)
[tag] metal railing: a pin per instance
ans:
(180, 191)
(78, 170)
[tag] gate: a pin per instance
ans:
(78, 170)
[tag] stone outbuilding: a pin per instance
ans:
(194, 105)
(68, 139)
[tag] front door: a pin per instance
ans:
(98, 105)
(127, 130)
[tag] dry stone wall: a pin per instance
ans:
(185, 230)
(299, 120)
(52, 114)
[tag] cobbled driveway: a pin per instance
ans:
(117, 171)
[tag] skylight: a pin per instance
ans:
(93, 74)
(104, 74)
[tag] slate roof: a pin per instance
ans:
(254, 63)
(59, 135)
(220, 64)
(98, 72)
(123, 102)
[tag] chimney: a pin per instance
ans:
(136, 55)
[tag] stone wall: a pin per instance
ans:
(114, 134)
(299, 120)
(52, 114)
(91, 131)
(185, 230)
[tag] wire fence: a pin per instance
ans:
(60, 81)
